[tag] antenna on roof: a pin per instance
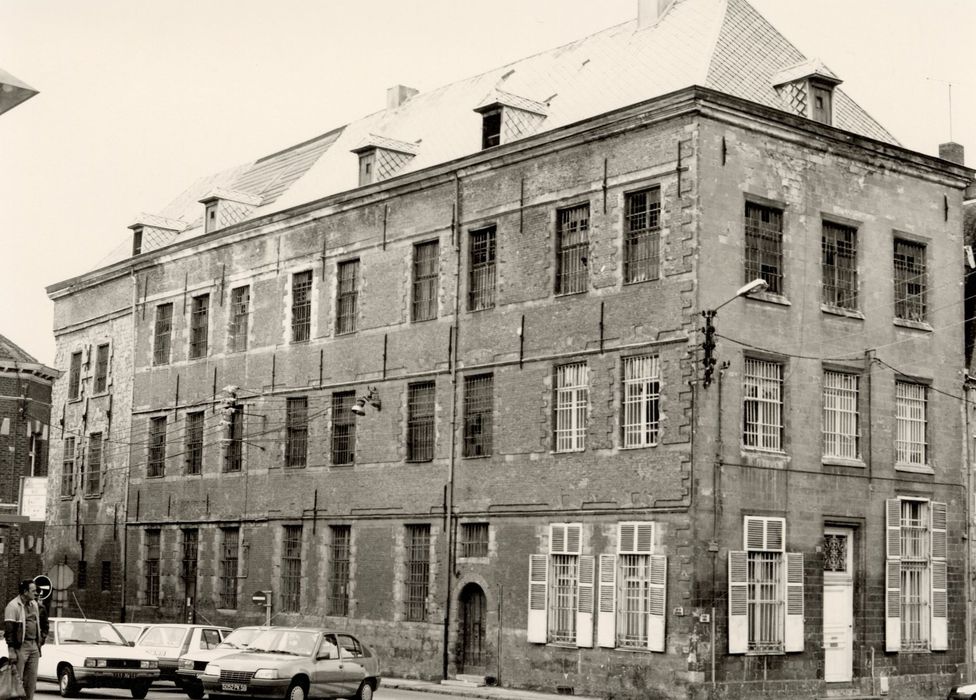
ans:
(949, 85)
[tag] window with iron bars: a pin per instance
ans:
(156, 459)
(199, 325)
(420, 422)
(763, 406)
(766, 600)
(481, 269)
(478, 410)
(915, 586)
(911, 404)
(572, 249)
(764, 245)
(840, 415)
(93, 474)
(101, 369)
(191, 553)
(162, 334)
(642, 401)
(642, 235)
(194, 442)
(301, 306)
(343, 428)
(563, 598)
(339, 569)
(234, 444)
(296, 430)
(417, 577)
(227, 583)
(910, 285)
(426, 269)
(291, 568)
(474, 539)
(635, 597)
(74, 376)
(106, 575)
(68, 468)
(151, 566)
(839, 248)
(572, 403)
(240, 313)
(347, 297)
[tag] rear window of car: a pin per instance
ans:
(163, 637)
(209, 639)
(350, 645)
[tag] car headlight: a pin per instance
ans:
(149, 663)
(212, 670)
(96, 663)
(186, 663)
(267, 674)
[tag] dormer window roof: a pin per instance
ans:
(381, 157)
(223, 207)
(807, 89)
(507, 117)
(150, 232)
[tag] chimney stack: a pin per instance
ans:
(398, 94)
(650, 11)
(952, 152)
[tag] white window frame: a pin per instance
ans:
(841, 417)
(571, 407)
(762, 405)
(641, 410)
(572, 622)
(911, 424)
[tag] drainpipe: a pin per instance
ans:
(128, 471)
(967, 460)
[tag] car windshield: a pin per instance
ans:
(238, 639)
(294, 642)
(130, 632)
(163, 637)
(89, 632)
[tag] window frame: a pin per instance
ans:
(239, 324)
(763, 245)
(642, 229)
(421, 438)
(838, 242)
(228, 567)
(199, 345)
(572, 245)
(417, 539)
(291, 568)
(74, 376)
(152, 544)
(343, 437)
(640, 409)
(69, 459)
(912, 418)
(841, 406)
(425, 281)
(194, 428)
(479, 411)
(233, 457)
(93, 465)
(769, 413)
(156, 449)
(190, 550)
(302, 289)
(296, 432)
(475, 540)
(572, 402)
(163, 334)
(347, 297)
(340, 569)
(100, 385)
(482, 271)
(910, 279)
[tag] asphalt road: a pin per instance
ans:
(167, 691)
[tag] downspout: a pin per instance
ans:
(449, 490)
(128, 471)
(967, 460)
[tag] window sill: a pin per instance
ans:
(759, 452)
(76, 399)
(480, 309)
(101, 394)
(631, 283)
(770, 297)
(766, 653)
(842, 462)
(475, 560)
(563, 295)
(567, 452)
(841, 311)
(639, 447)
(475, 456)
(91, 496)
(914, 468)
(344, 465)
(914, 325)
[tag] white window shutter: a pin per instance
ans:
(565, 538)
(607, 616)
(536, 626)
(584, 603)
(764, 534)
(658, 606)
(738, 602)
(626, 537)
(793, 637)
(574, 539)
(940, 607)
(893, 575)
(635, 538)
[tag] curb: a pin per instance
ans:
(487, 692)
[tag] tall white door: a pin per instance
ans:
(838, 604)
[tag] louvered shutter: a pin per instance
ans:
(535, 627)
(607, 616)
(939, 607)
(764, 534)
(565, 538)
(657, 608)
(738, 602)
(635, 538)
(584, 603)
(892, 574)
(793, 637)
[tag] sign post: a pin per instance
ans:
(61, 579)
(263, 598)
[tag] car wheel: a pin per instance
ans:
(365, 692)
(297, 691)
(194, 691)
(66, 682)
(139, 691)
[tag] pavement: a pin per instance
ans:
(472, 691)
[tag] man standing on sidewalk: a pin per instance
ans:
(24, 631)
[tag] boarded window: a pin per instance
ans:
(481, 269)
(764, 246)
(572, 249)
(426, 268)
(642, 235)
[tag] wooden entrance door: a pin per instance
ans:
(473, 606)
(838, 604)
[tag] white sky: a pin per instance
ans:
(138, 99)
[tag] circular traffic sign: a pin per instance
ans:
(260, 598)
(62, 576)
(44, 586)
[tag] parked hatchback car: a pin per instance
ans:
(191, 665)
(169, 641)
(296, 663)
(83, 653)
(132, 630)
(962, 692)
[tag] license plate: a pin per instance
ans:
(123, 675)
(234, 687)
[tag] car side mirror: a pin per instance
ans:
(131, 644)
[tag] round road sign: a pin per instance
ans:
(44, 586)
(260, 598)
(62, 577)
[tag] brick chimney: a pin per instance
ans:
(398, 94)
(650, 11)
(952, 152)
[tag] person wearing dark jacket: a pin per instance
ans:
(24, 629)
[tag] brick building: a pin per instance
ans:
(439, 376)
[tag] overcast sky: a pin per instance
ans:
(138, 99)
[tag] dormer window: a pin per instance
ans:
(150, 232)
(381, 158)
(210, 217)
(807, 89)
(506, 117)
(223, 208)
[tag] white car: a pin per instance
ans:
(191, 664)
(81, 653)
(168, 641)
(132, 630)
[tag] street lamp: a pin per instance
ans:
(708, 345)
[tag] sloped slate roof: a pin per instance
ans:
(11, 352)
(725, 45)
